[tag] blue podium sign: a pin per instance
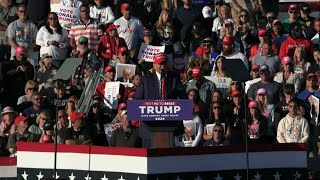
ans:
(154, 110)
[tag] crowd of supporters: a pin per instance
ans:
(283, 57)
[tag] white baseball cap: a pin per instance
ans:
(206, 12)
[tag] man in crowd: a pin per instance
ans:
(127, 135)
(268, 58)
(21, 134)
(294, 16)
(22, 32)
(85, 26)
(200, 83)
(293, 128)
(78, 133)
(130, 28)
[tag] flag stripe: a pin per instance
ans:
(8, 161)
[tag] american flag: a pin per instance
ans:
(268, 162)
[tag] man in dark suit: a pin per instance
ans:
(151, 86)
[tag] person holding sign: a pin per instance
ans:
(158, 83)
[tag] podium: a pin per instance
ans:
(162, 133)
(161, 118)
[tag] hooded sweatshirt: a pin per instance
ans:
(293, 130)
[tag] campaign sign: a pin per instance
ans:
(222, 84)
(163, 110)
(147, 52)
(66, 15)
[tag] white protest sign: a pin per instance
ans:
(147, 52)
(109, 128)
(314, 112)
(66, 14)
(111, 91)
(222, 83)
(249, 83)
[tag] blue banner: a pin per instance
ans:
(160, 110)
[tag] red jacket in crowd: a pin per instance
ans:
(109, 46)
(289, 45)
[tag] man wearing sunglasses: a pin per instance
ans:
(294, 16)
(273, 88)
(87, 27)
(294, 40)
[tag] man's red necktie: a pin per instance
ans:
(163, 88)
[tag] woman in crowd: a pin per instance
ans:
(46, 71)
(40, 121)
(53, 40)
(287, 75)
(300, 61)
(216, 115)
(218, 23)
(245, 19)
(257, 123)
(103, 15)
(234, 85)
(219, 69)
(164, 30)
(71, 105)
(30, 87)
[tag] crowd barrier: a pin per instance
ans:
(36, 161)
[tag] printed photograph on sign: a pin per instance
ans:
(124, 73)
(210, 127)
(67, 11)
(147, 52)
(314, 112)
(186, 139)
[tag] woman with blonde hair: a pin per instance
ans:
(164, 30)
(71, 105)
(266, 109)
(37, 128)
(30, 87)
(46, 71)
(223, 15)
(301, 66)
(244, 20)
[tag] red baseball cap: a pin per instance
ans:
(293, 6)
(111, 27)
(19, 119)
(255, 67)
(123, 50)
(131, 94)
(235, 93)
(76, 115)
(20, 50)
(125, 6)
(147, 32)
(109, 69)
(201, 49)
(228, 40)
(311, 75)
(160, 58)
(122, 106)
(286, 60)
(253, 104)
(262, 32)
(276, 21)
(196, 72)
